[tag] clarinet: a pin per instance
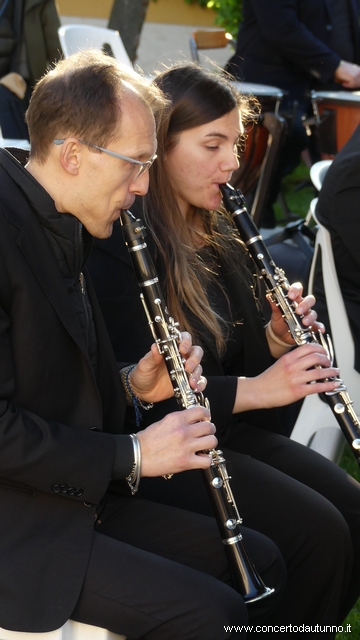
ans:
(245, 577)
(277, 286)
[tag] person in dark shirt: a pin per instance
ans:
(338, 210)
(29, 44)
(297, 46)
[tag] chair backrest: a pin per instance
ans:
(276, 127)
(70, 631)
(339, 324)
(316, 424)
(208, 39)
(318, 172)
(76, 37)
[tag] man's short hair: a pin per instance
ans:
(81, 97)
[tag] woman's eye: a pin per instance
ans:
(212, 148)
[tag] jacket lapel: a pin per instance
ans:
(38, 254)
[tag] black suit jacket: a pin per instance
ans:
(338, 209)
(287, 44)
(54, 467)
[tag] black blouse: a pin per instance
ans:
(231, 294)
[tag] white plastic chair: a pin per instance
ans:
(70, 631)
(316, 425)
(76, 37)
(339, 323)
(19, 144)
(318, 172)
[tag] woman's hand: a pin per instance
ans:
(292, 377)
(279, 328)
(150, 380)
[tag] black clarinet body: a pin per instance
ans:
(277, 286)
(246, 579)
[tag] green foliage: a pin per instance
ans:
(202, 3)
(349, 463)
(353, 619)
(297, 191)
(228, 12)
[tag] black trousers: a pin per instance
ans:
(160, 573)
(306, 504)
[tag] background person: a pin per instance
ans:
(338, 210)
(29, 43)
(283, 489)
(297, 45)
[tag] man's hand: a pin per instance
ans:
(348, 75)
(173, 444)
(150, 380)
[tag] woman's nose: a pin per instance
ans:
(230, 161)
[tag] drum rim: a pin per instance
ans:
(267, 90)
(336, 97)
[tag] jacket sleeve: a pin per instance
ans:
(338, 203)
(221, 392)
(50, 24)
(46, 454)
(293, 40)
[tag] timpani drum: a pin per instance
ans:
(337, 114)
(251, 159)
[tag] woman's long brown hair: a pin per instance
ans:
(197, 97)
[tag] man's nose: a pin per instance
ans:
(140, 186)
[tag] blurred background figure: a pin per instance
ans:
(299, 46)
(29, 43)
(338, 210)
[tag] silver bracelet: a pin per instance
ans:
(133, 479)
(131, 398)
(275, 338)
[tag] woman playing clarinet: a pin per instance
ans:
(305, 503)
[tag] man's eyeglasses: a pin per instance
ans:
(143, 166)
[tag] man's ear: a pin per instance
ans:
(71, 155)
